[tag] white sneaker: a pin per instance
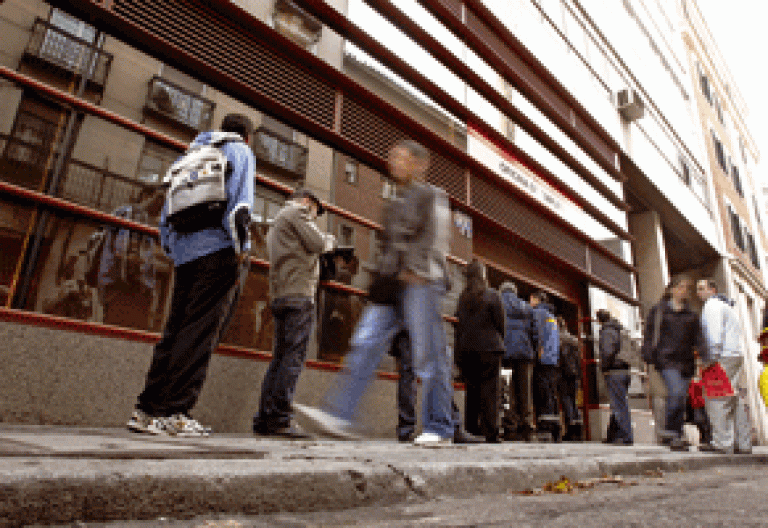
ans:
(329, 424)
(430, 439)
(182, 425)
(141, 422)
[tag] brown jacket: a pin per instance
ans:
(294, 245)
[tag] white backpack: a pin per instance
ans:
(197, 186)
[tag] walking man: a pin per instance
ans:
(412, 262)
(210, 258)
(731, 431)
(294, 245)
(570, 375)
(617, 378)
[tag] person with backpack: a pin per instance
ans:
(294, 244)
(731, 430)
(570, 375)
(519, 356)
(206, 235)
(613, 340)
(546, 371)
(672, 333)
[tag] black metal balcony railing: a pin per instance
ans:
(278, 152)
(55, 46)
(179, 104)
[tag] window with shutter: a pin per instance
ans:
(737, 180)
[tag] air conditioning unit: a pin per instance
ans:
(629, 104)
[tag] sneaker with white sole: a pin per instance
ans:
(431, 439)
(182, 425)
(141, 422)
(329, 424)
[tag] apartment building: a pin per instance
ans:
(732, 156)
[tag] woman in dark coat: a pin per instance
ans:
(479, 348)
(672, 332)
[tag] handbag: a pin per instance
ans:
(716, 383)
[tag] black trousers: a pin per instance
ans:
(205, 292)
(545, 381)
(481, 377)
(568, 386)
(406, 386)
(519, 417)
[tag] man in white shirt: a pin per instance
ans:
(731, 431)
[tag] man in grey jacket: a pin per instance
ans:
(415, 243)
(294, 245)
(731, 430)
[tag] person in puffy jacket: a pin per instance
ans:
(519, 355)
(479, 348)
(546, 371)
(617, 379)
(672, 332)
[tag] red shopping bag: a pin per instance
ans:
(716, 383)
(696, 394)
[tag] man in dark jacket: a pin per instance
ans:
(617, 377)
(570, 374)
(518, 421)
(546, 371)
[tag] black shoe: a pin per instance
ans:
(708, 448)
(291, 432)
(407, 437)
(679, 444)
(463, 437)
(620, 443)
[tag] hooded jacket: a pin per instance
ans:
(609, 345)
(186, 247)
(519, 338)
(294, 245)
(721, 327)
(547, 334)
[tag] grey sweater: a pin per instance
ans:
(294, 245)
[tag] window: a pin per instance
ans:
(720, 152)
(718, 109)
(685, 170)
(154, 162)
(350, 172)
(346, 235)
(704, 83)
(388, 189)
(737, 180)
(736, 228)
(752, 250)
(73, 26)
(183, 80)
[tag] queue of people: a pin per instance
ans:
(494, 330)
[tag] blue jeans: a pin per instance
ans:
(618, 386)
(294, 317)
(419, 311)
(677, 393)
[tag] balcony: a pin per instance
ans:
(178, 105)
(51, 46)
(280, 153)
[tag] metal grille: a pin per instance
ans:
(368, 129)
(502, 207)
(611, 273)
(448, 175)
(594, 141)
(216, 40)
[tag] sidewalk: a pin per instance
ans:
(54, 474)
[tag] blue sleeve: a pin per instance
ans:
(165, 231)
(240, 188)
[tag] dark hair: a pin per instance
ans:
(602, 315)
(414, 148)
(476, 282)
(237, 123)
(540, 295)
